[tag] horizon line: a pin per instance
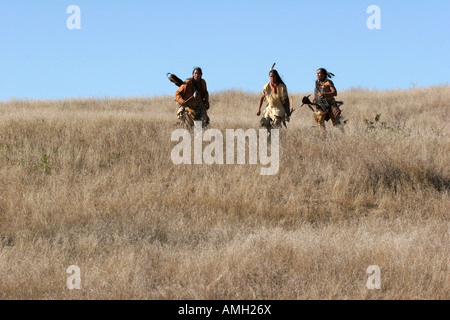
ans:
(215, 92)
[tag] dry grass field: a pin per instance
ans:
(90, 182)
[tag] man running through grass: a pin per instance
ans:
(324, 93)
(276, 94)
(195, 105)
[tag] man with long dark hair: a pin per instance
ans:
(195, 104)
(276, 94)
(324, 93)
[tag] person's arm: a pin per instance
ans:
(205, 90)
(261, 100)
(333, 91)
(285, 99)
(205, 94)
(181, 92)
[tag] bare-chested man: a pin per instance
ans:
(324, 94)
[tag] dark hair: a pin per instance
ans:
(198, 69)
(328, 75)
(277, 76)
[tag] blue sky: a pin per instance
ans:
(126, 48)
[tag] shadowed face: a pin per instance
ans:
(273, 77)
(320, 75)
(197, 75)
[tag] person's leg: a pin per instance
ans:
(319, 118)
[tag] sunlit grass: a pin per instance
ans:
(90, 182)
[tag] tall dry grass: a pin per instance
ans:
(90, 182)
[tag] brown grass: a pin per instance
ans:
(90, 182)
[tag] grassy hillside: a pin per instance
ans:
(90, 182)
